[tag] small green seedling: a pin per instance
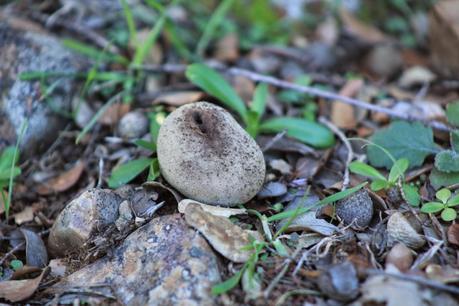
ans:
(127, 172)
(304, 130)
(259, 248)
(445, 205)
(379, 181)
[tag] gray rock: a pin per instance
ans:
(356, 209)
(23, 51)
(133, 125)
(384, 60)
(162, 263)
(404, 230)
(207, 156)
(81, 218)
(272, 189)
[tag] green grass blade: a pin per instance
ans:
(215, 85)
(24, 126)
(94, 53)
(228, 284)
(309, 132)
(330, 199)
(260, 98)
(142, 51)
(214, 22)
(127, 172)
(129, 20)
(363, 169)
(99, 113)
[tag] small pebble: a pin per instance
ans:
(384, 60)
(356, 209)
(400, 229)
(272, 189)
(400, 256)
(133, 125)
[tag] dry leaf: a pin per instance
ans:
(307, 221)
(228, 48)
(343, 115)
(244, 87)
(36, 253)
(214, 210)
(362, 31)
(114, 113)
(444, 36)
(179, 98)
(453, 234)
(26, 215)
(19, 290)
(62, 182)
(443, 274)
(389, 291)
(281, 165)
(225, 237)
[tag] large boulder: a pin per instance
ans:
(164, 262)
(25, 47)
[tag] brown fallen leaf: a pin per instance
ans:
(214, 210)
(225, 237)
(363, 31)
(19, 290)
(383, 290)
(114, 113)
(342, 114)
(26, 215)
(179, 98)
(444, 36)
(62, 182)
(228, 48)
(36, 253)
(453, 234)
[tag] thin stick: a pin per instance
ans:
(284, 270)
(274, 140)
(76, 28)
(417, 279)
(328, 95)
(335, 97)
(350, 152)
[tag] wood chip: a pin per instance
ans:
(19, 290)
(179, 98)
(64, 181)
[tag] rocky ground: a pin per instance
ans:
(321, 170)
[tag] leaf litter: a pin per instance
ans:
(312, 254)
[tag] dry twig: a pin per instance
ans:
(328, 95)
(417, 279)
(350, 152)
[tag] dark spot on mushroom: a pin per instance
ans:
(198, 120)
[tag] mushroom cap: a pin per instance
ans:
(207, 156)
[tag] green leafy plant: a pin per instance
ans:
(395, 178)
(214, 84)
(445, 205)
(446, 171)
(127, 172)
(412, 141)
(8, 171)
(258, 247)
(379, 181)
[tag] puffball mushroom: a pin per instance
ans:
(207, 156)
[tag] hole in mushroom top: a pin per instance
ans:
(199, 122)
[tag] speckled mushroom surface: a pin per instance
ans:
(207, 156)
